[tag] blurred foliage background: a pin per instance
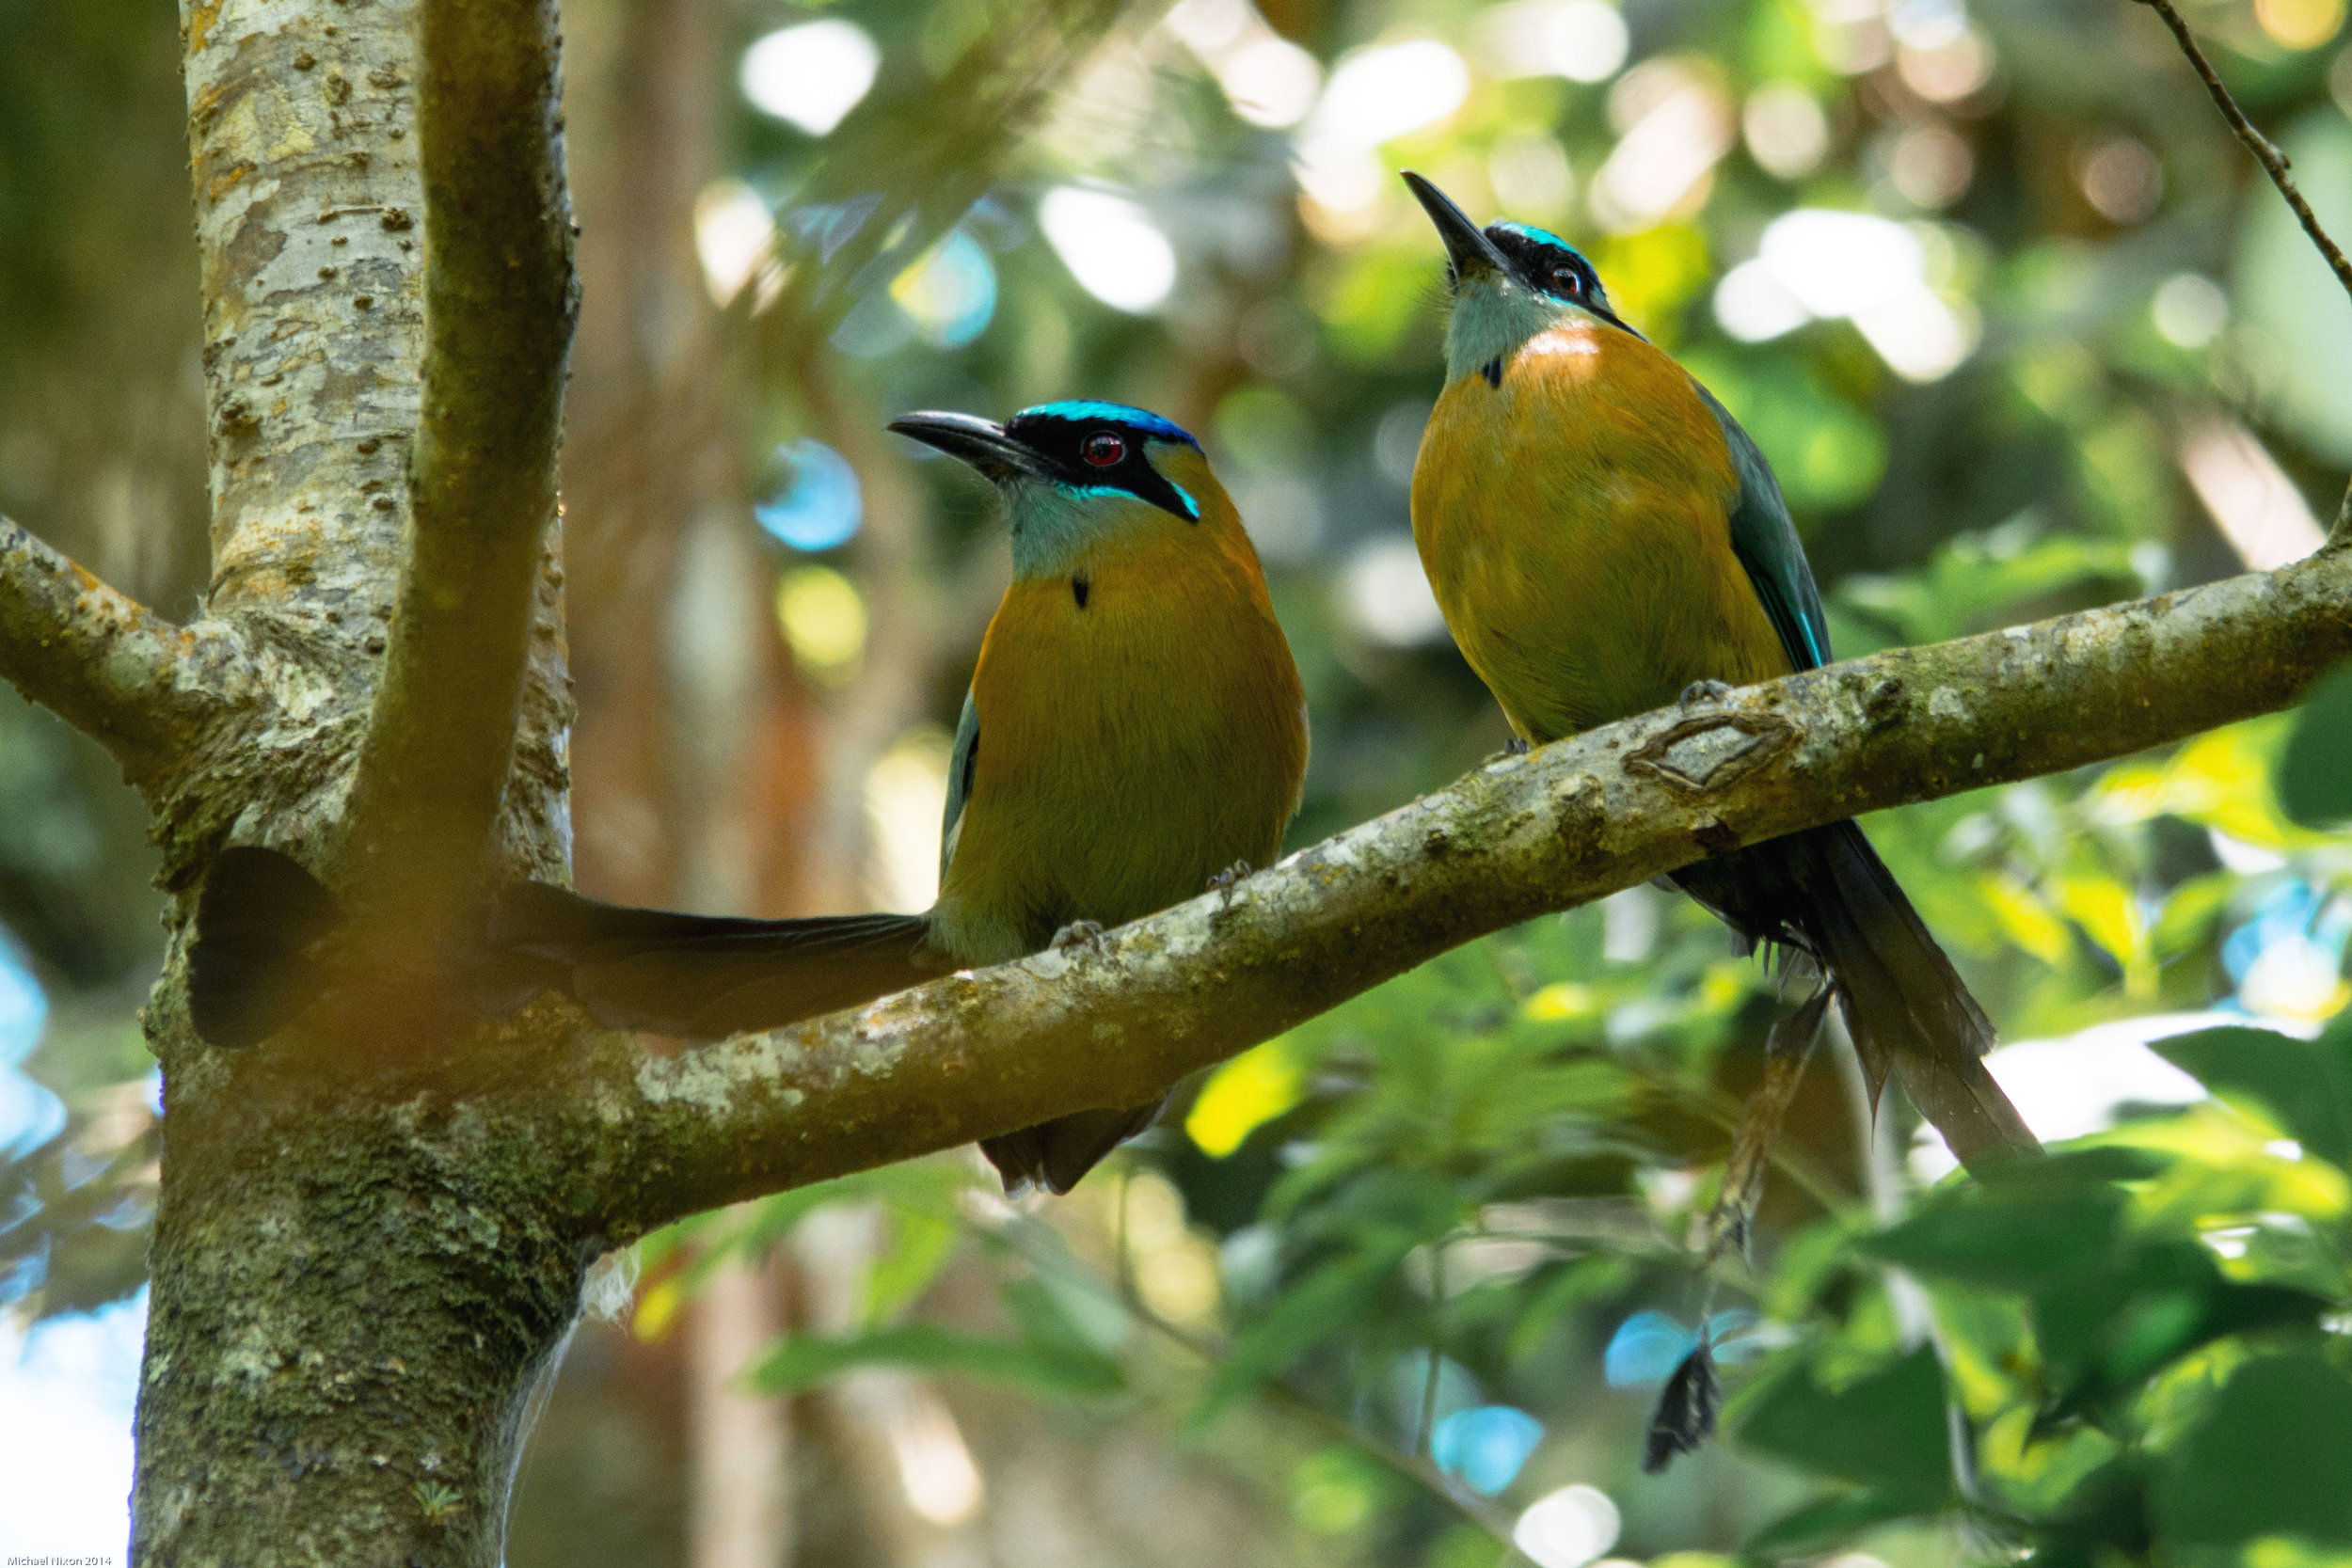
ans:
(2021, 329)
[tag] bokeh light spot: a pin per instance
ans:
(733, 230)
(1929, 165)
(1947, 72)
(1387, 596)
(1110, 245)
(906, 798)
(812, 500)
(1786, 133)
(950, 294)
(2121, 178)
(811, 75)
(1585, 41)
(2189, 309)
(1486, 1445)
(2300, 23)
(823, 619)
(1567, 1528)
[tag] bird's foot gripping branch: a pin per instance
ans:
(983, 1051)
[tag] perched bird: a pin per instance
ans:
(1136, 728)
(1602, 537)
(1134, 732)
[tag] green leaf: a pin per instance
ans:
(920, 1245)
(1066, 1371)
(2273, 1457)
(2004, 1242)
(2306, 1085)
(1322, 1304)
(1823, 1526)
(1565, 1287)
(1884, 1431)
(2106, 1328)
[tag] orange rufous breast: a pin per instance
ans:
(1574, 521)
(1141, 728)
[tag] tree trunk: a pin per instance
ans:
(360, 1276)
(355, 1308)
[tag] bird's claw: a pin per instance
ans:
(1702, 691)
(1078, 933)
(1229, 878)
(1515, 747)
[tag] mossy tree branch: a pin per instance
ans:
(984, 1052)
(500, 300)
(104, 663)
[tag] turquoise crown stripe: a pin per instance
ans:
(1118, 413)
(1542, 236)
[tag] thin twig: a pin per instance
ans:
(1425, 1430)
(2275, 164)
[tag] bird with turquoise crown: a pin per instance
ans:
(1604, 539)
(1135, 734)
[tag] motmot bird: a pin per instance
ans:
(1134, 732)
(1603, 537)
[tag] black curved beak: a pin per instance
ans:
(982, 443)
(1466, 245)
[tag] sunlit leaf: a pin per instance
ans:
(2026, 919)
(1242, 1095)
(2306, 1085)
(920, 1245)
(2269, 1459)
(1829, 1523)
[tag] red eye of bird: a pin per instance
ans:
(1103, 449)
(1566, 281)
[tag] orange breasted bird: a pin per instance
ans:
(1602, 537)
(1134, 732)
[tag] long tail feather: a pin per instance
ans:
(252, 969)
(701, 976)
(1056, 1154)
(1826, 894)
(249, 967)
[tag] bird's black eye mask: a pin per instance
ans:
(1097, 449)
(1549, 265)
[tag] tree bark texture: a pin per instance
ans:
(365, 1262)
(355, 1289)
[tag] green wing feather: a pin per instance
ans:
(960, 764)
(1766, 543)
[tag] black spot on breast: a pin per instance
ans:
(1492, 370)
(1079, 589)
